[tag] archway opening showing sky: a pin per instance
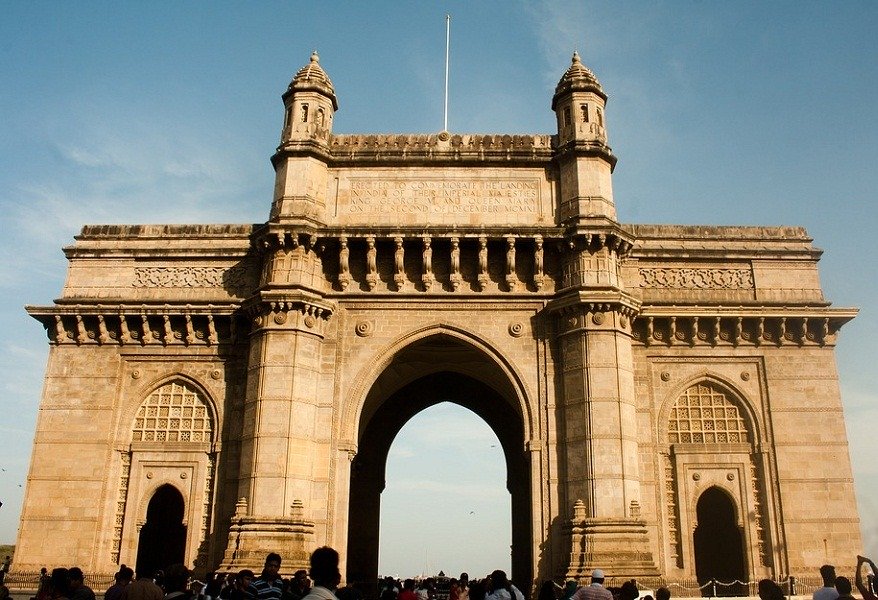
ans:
(445, 506)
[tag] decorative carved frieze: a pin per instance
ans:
(696, 278)
(238, 279)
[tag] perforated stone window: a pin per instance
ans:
(173, 413)
(705, 415)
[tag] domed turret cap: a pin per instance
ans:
(578, 78)
(312, 77)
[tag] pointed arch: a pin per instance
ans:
(176, 409)
(366, 379)
(720, 385)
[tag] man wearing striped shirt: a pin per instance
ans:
(269, 585)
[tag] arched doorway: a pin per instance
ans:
(437, 369)
(719, 547)
(162, 539)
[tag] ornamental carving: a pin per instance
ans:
(697, 279)
(236, 278)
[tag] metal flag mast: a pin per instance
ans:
(447, 43)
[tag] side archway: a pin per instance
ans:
(713, 470)
(167, 485)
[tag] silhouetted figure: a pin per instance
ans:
(843, 585)
(177, 583)
(865, 589)
(502, 589)
(298, 587)
(77, 588)
(143, 588)
(241, 587)
(324, 573)
(663, 593)
(59, 584)
(408, 590)
(547, 591)
(123, 578)
(769, 590)
(828, 591)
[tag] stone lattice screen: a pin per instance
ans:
(705, 415)
(173, 413)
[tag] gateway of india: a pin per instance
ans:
(666, 396)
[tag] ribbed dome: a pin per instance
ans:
(578, 78)
(313, 77)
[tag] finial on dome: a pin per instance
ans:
(315, 58)
(576, 57)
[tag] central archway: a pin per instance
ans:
(439, 368)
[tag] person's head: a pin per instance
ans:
(59, 582)
(74, 578)
(300, 579)
(324, 568)
(125, 575)
(663, 593)
(272, 566)
(44, 571)
(243, 579)
(597, 576)
(629, 591)
(769, 590)
(176, 578)
(547, 590)
(464, 579)
(843, 585)
(409, 584)
(499, 580)
(827, 572)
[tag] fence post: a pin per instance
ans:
(713, 588)
(792, 585)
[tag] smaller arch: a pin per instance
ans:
(718, 541)
(161, 540)
(150, 492)
(735, 396)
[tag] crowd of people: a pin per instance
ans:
(322, 581)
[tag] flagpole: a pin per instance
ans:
(447, 44)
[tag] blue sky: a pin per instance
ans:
(720, 113)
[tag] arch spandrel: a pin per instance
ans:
(356, 402)
(734, 393)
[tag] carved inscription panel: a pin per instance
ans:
(395, 199)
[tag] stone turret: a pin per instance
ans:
(309, 104)
(586, 160)
(300, 160)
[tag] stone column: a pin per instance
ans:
(599, 414)
(281, 446)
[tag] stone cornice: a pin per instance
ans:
(441, 148)
(140, 324)
(742, 325)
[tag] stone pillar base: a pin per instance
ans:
(619, 547)
(252, 538)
